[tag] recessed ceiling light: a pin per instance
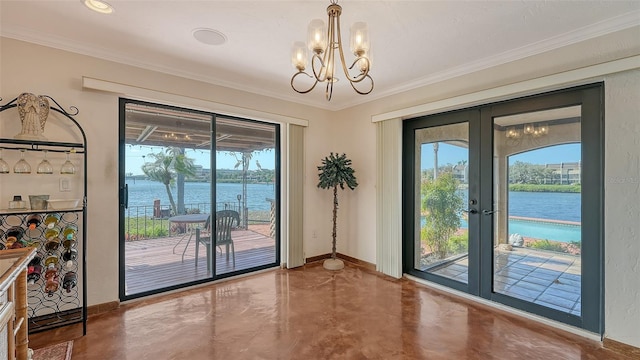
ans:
(209, 36)
(98, 6)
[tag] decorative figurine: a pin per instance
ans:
(33, 112)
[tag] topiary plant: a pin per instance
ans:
(335, 171)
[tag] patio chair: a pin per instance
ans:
(224, 224)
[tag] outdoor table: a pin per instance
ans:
(188, 220)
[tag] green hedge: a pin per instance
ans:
(545, 188)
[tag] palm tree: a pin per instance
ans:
(165, 168)
(336, 171)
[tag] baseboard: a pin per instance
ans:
(360, 263)
(622, 348)
(102, 308)
(317, 258)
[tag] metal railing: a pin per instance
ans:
(143, 222)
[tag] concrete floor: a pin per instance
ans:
(312, 313)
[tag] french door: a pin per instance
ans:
(504, 201)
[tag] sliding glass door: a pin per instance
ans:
(505, 202)
(199, 197)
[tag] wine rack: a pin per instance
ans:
(48, 309)
(58, 297)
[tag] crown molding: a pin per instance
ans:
(557, 81)
(601, 28)
(604, 27)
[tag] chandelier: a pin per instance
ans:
(532, 132)
(323, 42)
(514, 132)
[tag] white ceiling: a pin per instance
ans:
(414, 43)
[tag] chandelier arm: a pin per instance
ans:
(339, 46)
(363, 73)
(302, 91)
(353, 85)
(320, 75)
(329, 90)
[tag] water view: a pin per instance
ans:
(143, 192)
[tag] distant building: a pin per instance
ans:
(564, 173)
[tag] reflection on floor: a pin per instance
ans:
(546, 278)
(151, 264)
(311, 313)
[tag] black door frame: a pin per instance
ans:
(123, 199)
(590, 98)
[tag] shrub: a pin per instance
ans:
(459, 244)
(576, 188)
(547, 245)
(441, 204)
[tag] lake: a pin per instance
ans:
(143, 192)
(541, 205)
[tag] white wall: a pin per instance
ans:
(622, 207)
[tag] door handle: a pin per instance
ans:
(471, 211)
(489, 212)
(125, 196)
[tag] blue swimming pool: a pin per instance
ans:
(545, 230)
(540, 229)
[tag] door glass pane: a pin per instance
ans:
(166, 171)
(441, 239)
(537, 208)
(246, 184)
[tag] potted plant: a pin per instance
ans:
(335, 171)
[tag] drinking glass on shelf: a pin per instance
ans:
(22, 166)
(45, 166)
(4, 167)
(68, 167)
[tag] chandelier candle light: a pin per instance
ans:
(323, 42)
(514, 132)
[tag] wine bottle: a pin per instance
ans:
(51, 220)
(18, 244)
(51, 260)
(69, 232)
(13, 238)
(33, 273)
(35, 261)
(33, 221)
(52, 244)
(52, 283)
(52, 232)
(70, 254)
(69, 281)
(68, 266)
(14, 234)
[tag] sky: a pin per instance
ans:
(136, 156)
(446, 154)
(550, 155)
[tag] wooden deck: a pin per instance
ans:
(151, 263)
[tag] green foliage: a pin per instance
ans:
(547, 245)
(141, 228)
(335, 171)
(166, 166)
(575, 188)
(459, 244)
(441, 205)
(526, 173)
